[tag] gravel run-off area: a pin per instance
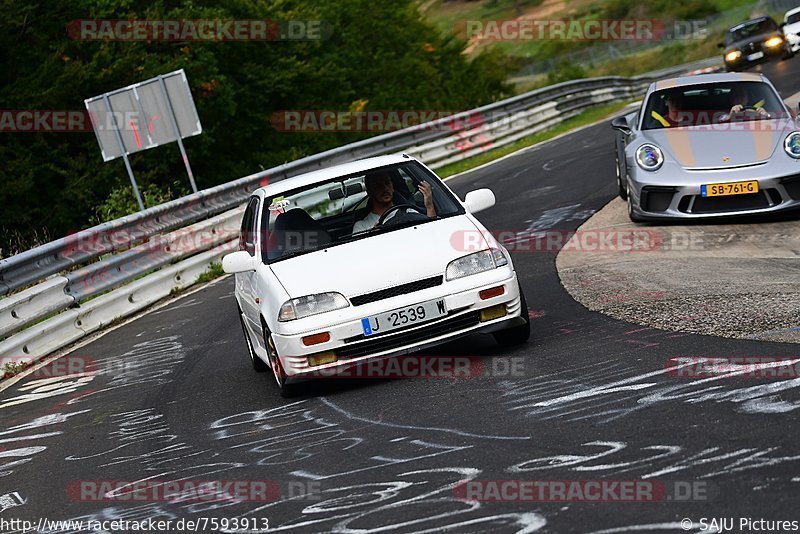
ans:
(734, 279)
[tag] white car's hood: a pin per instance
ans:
(792, 28)
(382, 260)
(718, 146)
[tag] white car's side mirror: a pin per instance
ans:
(479, 200)
(238, 262)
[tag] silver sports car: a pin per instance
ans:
(708, 146)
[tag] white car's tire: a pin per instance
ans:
(258, 364)
(516, 335)
(287, 389)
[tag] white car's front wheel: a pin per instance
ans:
(258, 364)
(516, 335)
(287, 389)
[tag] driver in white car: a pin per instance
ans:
(380, 191)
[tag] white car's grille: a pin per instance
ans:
(416, 285)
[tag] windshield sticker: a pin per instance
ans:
(279, 205)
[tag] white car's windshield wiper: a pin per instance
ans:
(294, 253)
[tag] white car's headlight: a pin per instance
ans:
(649, 157)
(475, 263)
(792, 145)
(311, 305)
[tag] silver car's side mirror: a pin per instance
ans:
(620, 124)
(479, 200)
(238, 262)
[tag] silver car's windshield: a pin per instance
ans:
(708, 104)
(352, 207)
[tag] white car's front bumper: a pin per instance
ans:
(351, 347)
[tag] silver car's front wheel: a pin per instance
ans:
(631, 213)
(623, 192)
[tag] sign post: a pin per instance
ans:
(124, 155)
(174, 126)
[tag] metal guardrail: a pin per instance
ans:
(189, 233)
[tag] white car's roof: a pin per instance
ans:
(333, 171)
(791, 12)
(717, 77)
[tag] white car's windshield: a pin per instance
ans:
(352, 207)
(708, 104)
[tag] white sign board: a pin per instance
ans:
(146, 115)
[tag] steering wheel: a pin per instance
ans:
(753, 111)
(398, 207)
(749, 112)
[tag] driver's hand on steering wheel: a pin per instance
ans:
(427, 196)
(738, 107)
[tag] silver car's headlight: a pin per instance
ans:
(649, 157)
(792, 145)
(475, 263)
(311, 305)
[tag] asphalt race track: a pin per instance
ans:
(587, 399)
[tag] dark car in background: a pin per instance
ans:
(753, 42)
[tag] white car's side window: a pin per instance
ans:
(247, 236)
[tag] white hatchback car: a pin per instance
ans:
(317, 295)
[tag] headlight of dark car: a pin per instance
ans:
(772, 42)
(733, 55)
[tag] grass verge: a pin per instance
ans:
(214, 271)
(13, 368)
(588, 116)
